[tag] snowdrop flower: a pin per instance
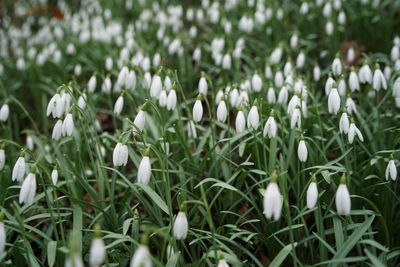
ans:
(28, 189)
(226, 62)
(234, 97)
(329, 28)
(139, 121)
(162, 100)
(109, 63)
(123, 73)
(270, 127)
(333, 101)
(222, 111)
(391, 170)
(329, 84)
(19, 169)
(396, 88)
(276, 55)
(203, 86)
(301, 59)
(268, 72)
(293, 103)
(353, 81)
(365, 74)
(220, 95)
(378, 80)
(119, 105)
(353, 131)
(2, 235)
(55, 106)
(120, 155)
(57, 130)
(97, 252)
(156, 86)
(272, 200)
(337, 66)
(2, 158)
(141, 258)
(171, 100)
(107, 85)
(271, 97)
(167, 83)
(341, 18)
(350, 54)
(240, 122)
(181, 226)
(54, 176)
(144, 171)
(74, 260)
(342, 86)
(278, 79)
(294, 40)
(342, 199)
(316, 73)
(351, 106)
(68, 125)
(253, 118)
(312, 194)
(197, 110)
(222, 263)
(387, 72)
(29, 142)
(295, 118)
(302, 151)
(344, 123)
(197, 55)
(256, 83)
(130, 80)
(82, 101)
(4, 112)
(92, 84)
(283, 95)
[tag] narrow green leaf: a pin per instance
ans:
(277, 261)
(51, 252)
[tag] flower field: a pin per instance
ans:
(199, 133)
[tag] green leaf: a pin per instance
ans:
(352, 240)
(277, 261)
(374, 260)
(51, 252)
(155, 197)
(173, 261)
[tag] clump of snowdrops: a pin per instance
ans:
(210, 133)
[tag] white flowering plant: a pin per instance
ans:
(199, 133)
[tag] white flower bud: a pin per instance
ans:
(97, 252)
(107, 85)
(28, 189)
(197, 111)
(234, 97)
(328, 85)
(391, 170)
(278, 79)
(270, 127)
(342, 87)
(162, 100)
(167, 83)
(109, 63)
(227, 62)
(171, 100)
(253, 118)
(353, 81)
(295, 118)
(120, 155)
(312, 195)
(240, 122)
(353, 130)
(272, 201)
(351, 106)
(379, 80)
(271, 97)
(54, 176)
(19, 170)
(156, 86)
(92, 84)
(203, 86)
(130, 80)
(344, 123)
(333, 101)
(68, 125)
(301, 59)
(4, 112)
(82, 101)
(342, 199)
(365, 74)
(302, 152)
(222, 111)
(256, 83)
(316, 73)
(283, 95)
(141, 258)
(396, 88)
(181, 226)
(57, 130)
(222, 263)
(144, 170)
(337, 67)
(119, 105)
(139, 121)
(29, 142)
